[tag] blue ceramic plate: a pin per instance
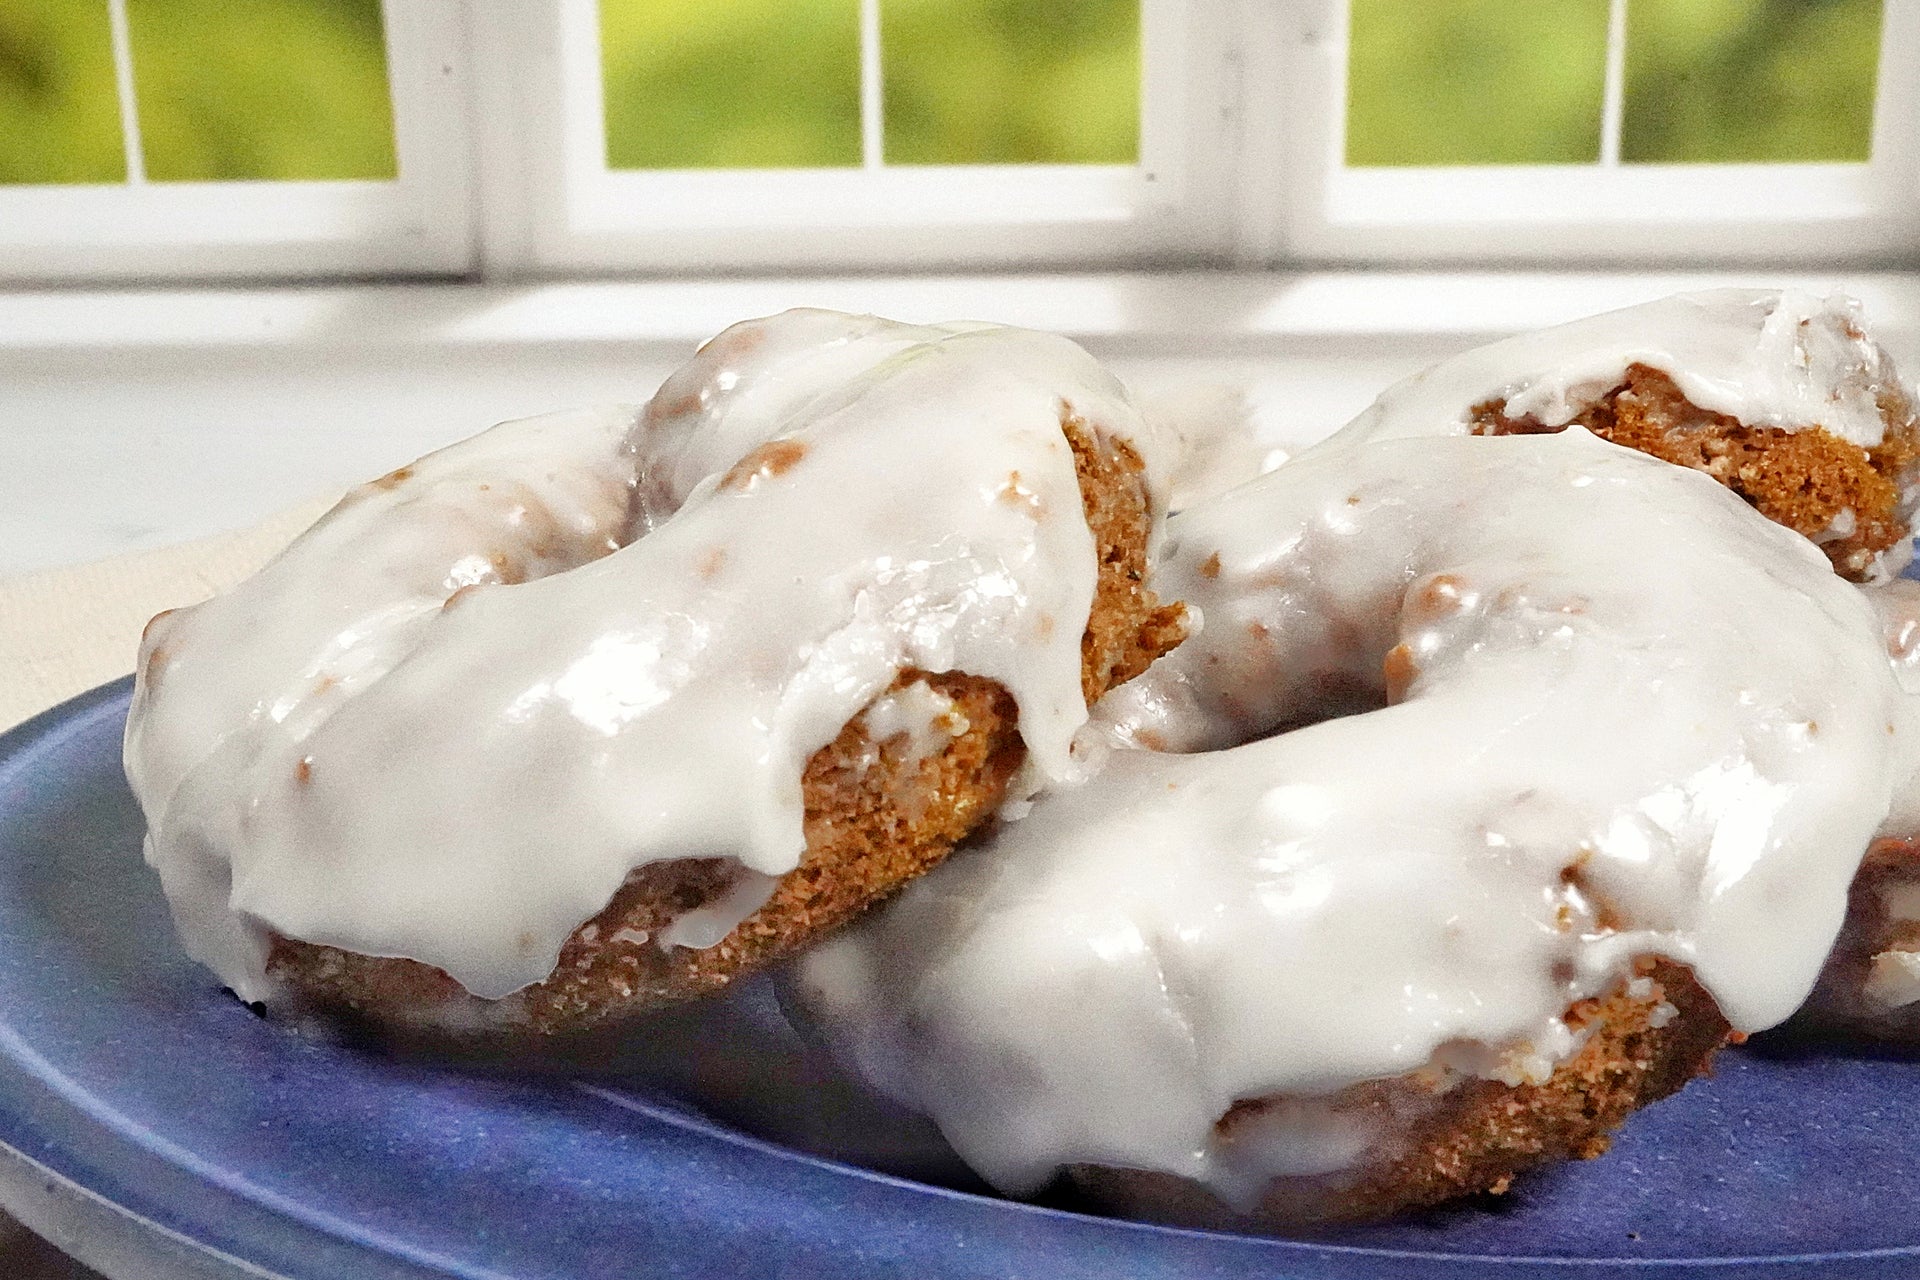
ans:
(148, 1115)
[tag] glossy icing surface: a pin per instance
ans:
(449, 721)
(1769, 358)
(1564, 705)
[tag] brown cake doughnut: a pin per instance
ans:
(1505, 778)
(877, 815)
(591, 714)
(1781, 396)
(1856, 502)
(1855, 499)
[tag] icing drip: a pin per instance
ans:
(227, 692)
(453, 717)
(925, 719)
(1605, 711)
(709, 922)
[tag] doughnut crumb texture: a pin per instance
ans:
(1779, 395)
(1854, 502)
(602, 709)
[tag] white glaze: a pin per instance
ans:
(925, 719)
(1765, 357)
(1898, 604)
(343, 751)
(1615, 665)
(1893, 980)
(1210, 433)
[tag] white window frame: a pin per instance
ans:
(1609, 213)
(500, 137)
(419, 223)
(553, 207)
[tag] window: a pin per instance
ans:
(553, 137)
(101, 173)
(1589, 82)
(900, 190)
(1636, 173)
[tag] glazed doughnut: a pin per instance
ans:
(1870, 987)
(1504, 775)
(1785, 399)
(602, 709)
(1781, 396)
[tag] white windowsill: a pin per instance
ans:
(131, 419)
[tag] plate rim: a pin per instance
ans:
(20, 742)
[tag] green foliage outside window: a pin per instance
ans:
(297, 88)
(1476, 82)
(1520, 81)
(776, 83)
(261, 88)
(1012, 81)
(1750, 80)
(731, 83)
(226, 89)
(59, 118)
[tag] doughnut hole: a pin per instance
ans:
(877, 814)
(1854, 502)
(1440, 1132)
(1274, 668)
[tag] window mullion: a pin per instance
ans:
(873, 145)
(123, 87)
(427, 69)
(416, 224)
(1189, 126)
(514, 108)
(1896, 114)
(1613, 101)
(1292, 122)
(548, 203)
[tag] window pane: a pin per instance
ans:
(749, 84)
(261, 89)
(1750, 80)
(1011, 81)
(1476, 82)
(59, 110)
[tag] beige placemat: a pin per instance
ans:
(63, 631)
